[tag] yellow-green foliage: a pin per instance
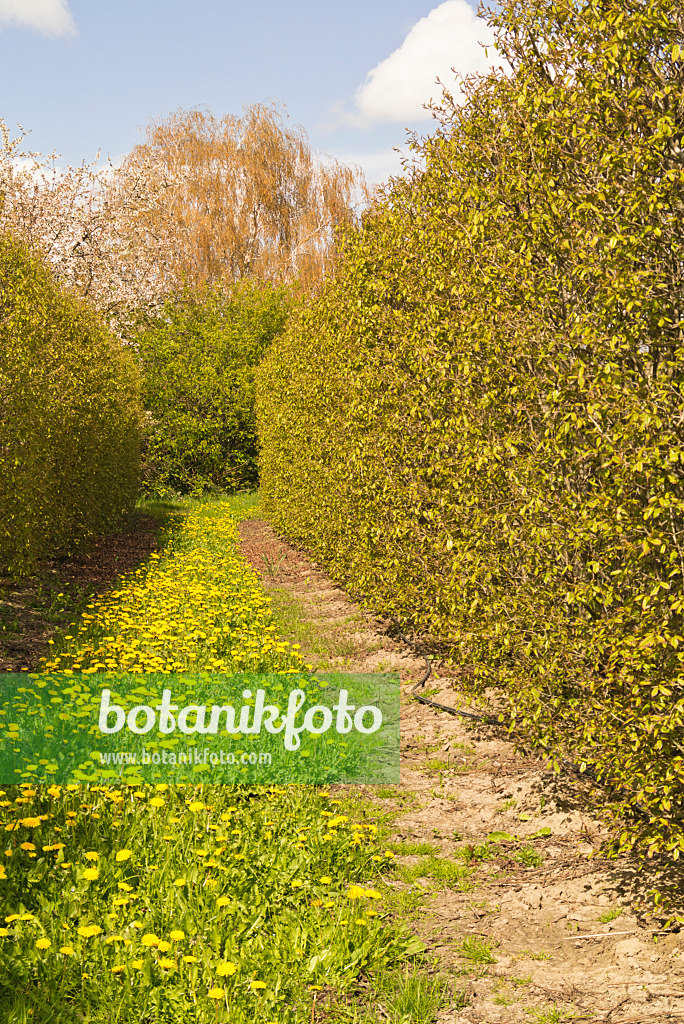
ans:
(477, 424)
(69, 416)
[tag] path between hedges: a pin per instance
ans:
(465, 780)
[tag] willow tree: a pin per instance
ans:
(247, 196)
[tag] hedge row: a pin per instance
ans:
(69, 416)
(197, 359)
(477, 424)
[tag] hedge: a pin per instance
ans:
(69, 416)
(477, 424)
(197, 360)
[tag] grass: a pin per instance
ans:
(323, 643)
(202, 904)
(415, 849)
(551, 1015)
(610, 915)
(529, 857)
(402, 997)
(440, 869)
(477, 950)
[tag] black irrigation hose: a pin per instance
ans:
(426, 675)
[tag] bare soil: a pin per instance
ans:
(33, 608)
(461, 780)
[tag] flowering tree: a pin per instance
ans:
(87, 222)
(200, 201)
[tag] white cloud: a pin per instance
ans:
(51, 17)
(377, 165)
(396, 89)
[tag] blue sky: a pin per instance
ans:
(84, 75)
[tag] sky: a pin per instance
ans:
(88, 75)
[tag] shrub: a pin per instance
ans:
(69, 416)
(198, 359)
(477, 423)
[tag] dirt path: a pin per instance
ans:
(512, 931)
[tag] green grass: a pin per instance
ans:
(529, 858)
(477, 950)
(440, 869)
(415, 849)
(402, 997)
(610, 915)
(321, 643)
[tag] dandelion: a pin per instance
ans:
(89, 930)
(190, 959)
(216, 993)
(118, 968)
(4, 932)
(258, 984)
(163, 946)
(66, 950)
(325, 880)
(43, 944)
(91, 855)
(356, 892)
(166, 963)
(123, 855)
(222, 901)
(179, 881)
(149, 939)
(177, 935)
(226, 969)
(27, 846)
(157, 801)
(124, 886)
(90, 874)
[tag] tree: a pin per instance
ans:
(88, 224)
(247, 197)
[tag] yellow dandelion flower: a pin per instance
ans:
(179, 881)
(43, 944)
(123, 855)
(226, 969)
(222, 901)
(90, 874)
(166, 963)
(190, 959)
(66, 950)
(258, 984)
(177, 935)
(356, 892)
(118, 968)
(326, 881)
(216, 993)
(91, 855)
(88, 930)
(124, 886)
(150, 939)
(163, 946)
(157, 801)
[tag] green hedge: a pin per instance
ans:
(69, 416)
(197, 359)
(477, 424)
